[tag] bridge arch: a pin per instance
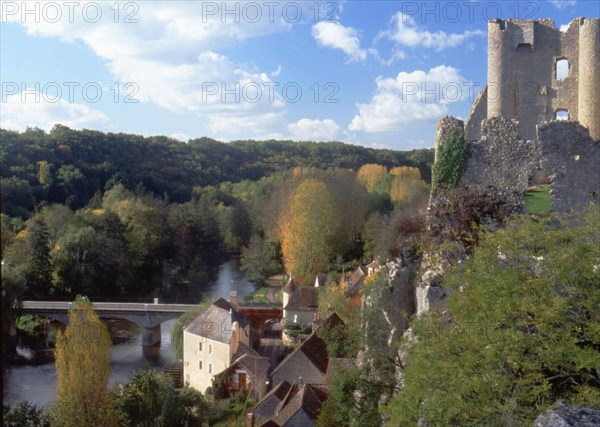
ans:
(148, 317)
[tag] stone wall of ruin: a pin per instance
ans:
(477, 114)
(501, 158)
(504, 160)
(572, 160)
(522, 78)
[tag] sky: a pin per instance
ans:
(372, 73)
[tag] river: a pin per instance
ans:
(37, 382)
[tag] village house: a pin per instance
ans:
(308, 363)
(300, 303)
(372, 268)
(289, 405)
(354, 284)
(217, 344)
(300, 384)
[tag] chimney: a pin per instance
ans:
(250, 419)
(233, 298)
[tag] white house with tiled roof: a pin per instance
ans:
(300, 303)
(215, 340)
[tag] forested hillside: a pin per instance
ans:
(122, 216)
(68, 166)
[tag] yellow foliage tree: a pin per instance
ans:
(307, 237)
(406, 171)
(83, 370)
(407, 184)
(369, 174)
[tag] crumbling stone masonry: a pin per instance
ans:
(516, 139)
(523, 82)
(573, 161)
(563, 150)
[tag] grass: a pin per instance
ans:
(538, 200)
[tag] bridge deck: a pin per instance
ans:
(108, 306)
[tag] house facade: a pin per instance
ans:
(216, 341)
(300, 303)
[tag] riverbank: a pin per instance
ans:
(35, 381)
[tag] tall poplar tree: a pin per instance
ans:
(308, 239)
(83, 370)
(37, 267)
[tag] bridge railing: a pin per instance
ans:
(138, 300)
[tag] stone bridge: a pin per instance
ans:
(147, 316)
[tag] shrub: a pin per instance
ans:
(520, 331)
(451, 159)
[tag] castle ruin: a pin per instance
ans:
(514, 126)
(537, 73)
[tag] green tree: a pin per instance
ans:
(24, 414)
(450, 164)
(341, 340)
(94, 258)
(17, 196)
(149, 399)
(45, 174)
(37, 269)
(260, 259)
(83, 370)
(7, 234)
(13, 288)
(522, 332)
(237, 227)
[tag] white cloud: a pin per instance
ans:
(564, 28)
(171, 55)
(406, 32)
(410, 97)
(34, 109)
(314, 130)
(232, 125)
(336, 36)
(562, 4)
(183, 137)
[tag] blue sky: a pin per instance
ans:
(375, 73)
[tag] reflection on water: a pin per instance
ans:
(230, 278)
(37, 383)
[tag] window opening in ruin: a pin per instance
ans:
(562, 69)
(561, 115)
(537, 198)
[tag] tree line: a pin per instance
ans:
(70, 166)
(82, 212)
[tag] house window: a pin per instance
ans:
(200, 364)
(200, 346)
(210, 348)
(561, 115)
(562, 69)
(210, 368)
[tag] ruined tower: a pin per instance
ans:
(589, 76)
(537, 72)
